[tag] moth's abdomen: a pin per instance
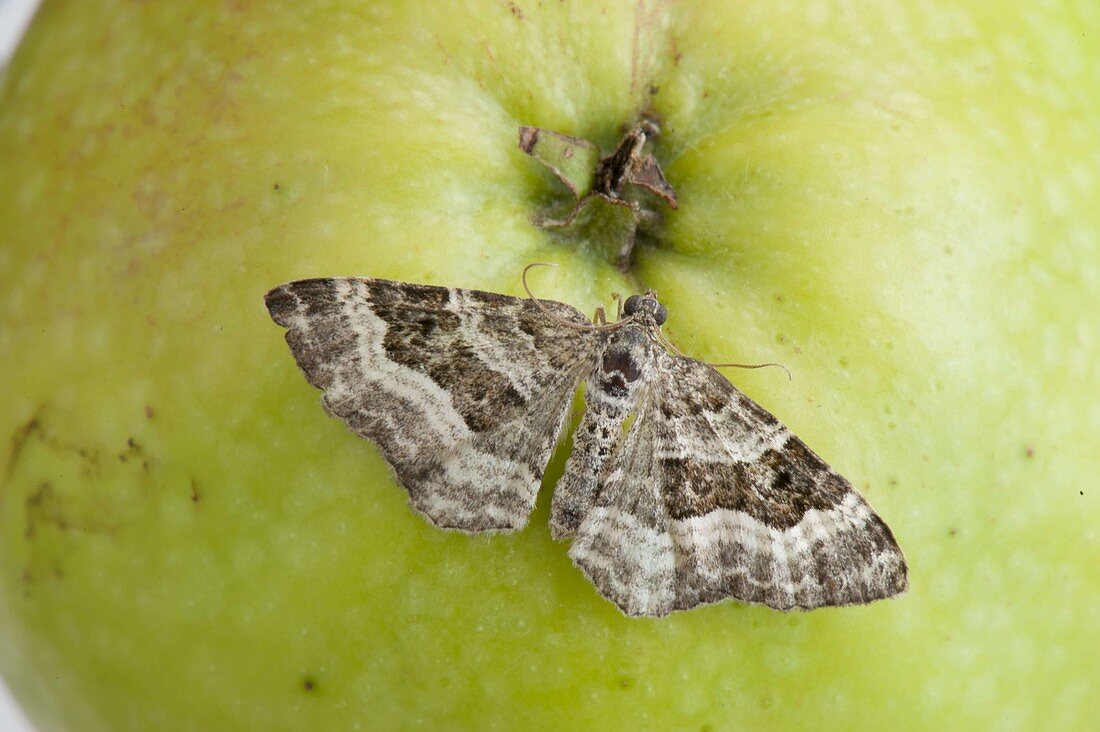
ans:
(610, 397)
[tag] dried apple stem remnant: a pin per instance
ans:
(615, 179)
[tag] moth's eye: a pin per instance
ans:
(632, 304)
(661, 315)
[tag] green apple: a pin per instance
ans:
(895, 200)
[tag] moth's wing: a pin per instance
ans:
(708, 497)
(464, 392)
(753, 513)
(623, 543)
(609, 498)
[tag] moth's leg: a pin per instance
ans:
(600, 318)
(618, 305)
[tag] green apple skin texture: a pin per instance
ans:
(896, 200)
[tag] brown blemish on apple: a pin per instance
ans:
(35, 429)
(18, 441)
(44, 506)
(27, 578)
(446, 53)
(62, 505)
(133, 450)
(488, 50)
(32, 504)
(238, 6)
(674, 49)
(309, 684)
(516, 10)
(196, 496)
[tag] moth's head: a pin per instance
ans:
(645, 309)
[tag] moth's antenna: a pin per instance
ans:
(668, 344)
(664, 341)
(556, 318)
(754, 366)
(523, 278)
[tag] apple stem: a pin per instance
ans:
(603, 187)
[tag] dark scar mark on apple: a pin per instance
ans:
(43, 505)
(55, 491)
(19, 441)
(133, 450)
(516, 10)
(91, 467)
(32, 504)
(309, 684)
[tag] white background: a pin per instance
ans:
(14, 15)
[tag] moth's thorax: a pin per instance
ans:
(645, 309)
(626, 361)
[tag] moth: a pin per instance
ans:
(679, 490)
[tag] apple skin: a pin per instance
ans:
(896, 200)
